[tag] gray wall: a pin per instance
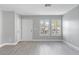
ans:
(0, 26)
(36, 20)
(71, 26)
(8, 27)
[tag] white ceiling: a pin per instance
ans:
(38, 9)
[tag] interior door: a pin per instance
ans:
(27, 29)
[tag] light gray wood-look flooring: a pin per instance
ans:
(38, 48)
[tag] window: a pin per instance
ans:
(50, 27)
(56, 28)
(44, 27)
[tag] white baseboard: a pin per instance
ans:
(1, 45)
(71, 45)
(43, 40)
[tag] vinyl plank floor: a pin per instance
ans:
(38, 48)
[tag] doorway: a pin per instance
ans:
(27, 29)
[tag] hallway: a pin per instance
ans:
(38, 48)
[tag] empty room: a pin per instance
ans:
(39, 29)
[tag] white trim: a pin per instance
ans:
(71, 45)
(1, 45)
(42, 40)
